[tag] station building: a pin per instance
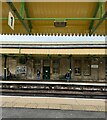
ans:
(59, 39)
(86, 61)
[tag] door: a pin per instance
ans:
(94, 74)
(46, 72)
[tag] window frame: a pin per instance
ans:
(89, 63)
(77, 65)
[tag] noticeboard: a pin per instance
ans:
(21, 70)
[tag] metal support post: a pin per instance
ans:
(99, 6)
(98, 24)
(101, 10)
(94, 15)
(22, 6)
(5, 60)
(70, 66)
(27, 15)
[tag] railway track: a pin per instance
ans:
(56, 89)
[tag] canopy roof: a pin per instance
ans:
(41, 17)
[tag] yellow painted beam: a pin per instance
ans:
(65, 51)
(55, 51)
(9, 51)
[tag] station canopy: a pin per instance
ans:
(62, 18)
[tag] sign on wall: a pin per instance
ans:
(94, 66)
(11, 20)
(21, 70)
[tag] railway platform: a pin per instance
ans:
(62, 80)
(54, 103)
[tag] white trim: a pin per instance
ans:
(70, 83)
(53, 98)
(26, 39)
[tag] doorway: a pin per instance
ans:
(46, 72)
(94, 74)
(95, 69)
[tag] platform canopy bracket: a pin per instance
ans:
(100, 8)
(98, 24)
(11, 5)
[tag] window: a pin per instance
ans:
(46, 62)
(77, 67)
(87, 68)
(37, 65)
(56, 66)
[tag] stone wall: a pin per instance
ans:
(96, 73)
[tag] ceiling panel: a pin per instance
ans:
(54, 10)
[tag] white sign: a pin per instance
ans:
(11, 20)
(21, 69)
(94, 66)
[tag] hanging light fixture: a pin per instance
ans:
(60, 23)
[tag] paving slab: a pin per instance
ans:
(101, 108)
(54, 106)
(90, 101)
(20, 105)
(43, 105)
(66, 107)
(31, 105)
(8, 104)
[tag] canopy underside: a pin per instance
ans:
(39, 18)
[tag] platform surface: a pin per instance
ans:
(47, 113)
(54, 103)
